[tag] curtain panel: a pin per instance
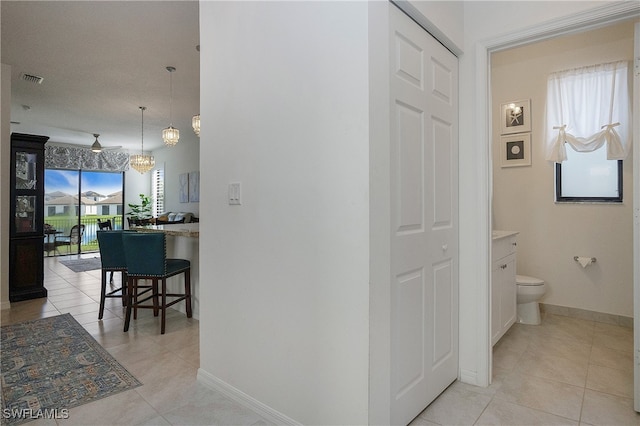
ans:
(76, 158)
(587, 108)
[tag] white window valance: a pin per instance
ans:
(587, 108)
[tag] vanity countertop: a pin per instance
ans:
(496, 234)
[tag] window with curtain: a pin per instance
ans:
(588, 108)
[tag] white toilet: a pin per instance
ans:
(529, 291)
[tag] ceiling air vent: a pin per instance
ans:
(32, 78)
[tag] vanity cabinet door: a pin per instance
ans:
(503, 287)
(496, 275)
(508, 303)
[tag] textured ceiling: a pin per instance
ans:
(100, 61)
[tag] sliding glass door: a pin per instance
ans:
(76, 202)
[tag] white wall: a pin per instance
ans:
(523, 198)
(5, 155)
(285, 291)
(182, 158)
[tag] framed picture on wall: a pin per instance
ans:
(194, 187)
(515, 150)
(183, 188)
(515, 117)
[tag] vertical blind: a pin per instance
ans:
(587, 108)
(157, 185)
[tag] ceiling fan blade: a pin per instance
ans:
(97, 147)
(104, 148)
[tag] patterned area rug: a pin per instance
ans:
(82, 265)
(50, 365)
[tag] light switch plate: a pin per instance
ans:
(235, 193)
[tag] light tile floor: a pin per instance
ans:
(565, 371)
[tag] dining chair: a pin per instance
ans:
(74, 238)
(104, 225)
(112, 260)
(146, 258)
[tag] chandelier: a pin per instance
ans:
(141, 162)
(195, 123)
(170, 135)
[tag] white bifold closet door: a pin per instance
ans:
(424, 217)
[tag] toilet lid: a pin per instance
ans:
(525, 280)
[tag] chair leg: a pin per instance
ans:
(187, 291)
(124, 287)
(130, 302)
(163, 308)
(155, 297)
(111, 279)
(103, 292)
(134, 297)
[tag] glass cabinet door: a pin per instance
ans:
(26, 170)
(26, 213)
(25, 192)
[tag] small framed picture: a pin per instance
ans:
(515, 150)
(183, 194)
(515, 117)
(194, 187)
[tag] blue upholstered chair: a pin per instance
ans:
(146, 258)
(112, 259)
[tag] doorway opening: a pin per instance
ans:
(632, 175)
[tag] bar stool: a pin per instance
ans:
(146, 258)
(112, 260)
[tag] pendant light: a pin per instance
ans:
(96, 147)
(195, 123)
(141, 162)
(170, 135)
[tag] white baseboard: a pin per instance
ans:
(469, 377)
(5, 305)
(213, 382)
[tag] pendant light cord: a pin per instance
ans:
(171, 70)
(142, 131)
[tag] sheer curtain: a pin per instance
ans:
(588, 107)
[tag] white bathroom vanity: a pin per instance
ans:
(503, 283)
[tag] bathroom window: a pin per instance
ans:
(589, 177)
(588, 131)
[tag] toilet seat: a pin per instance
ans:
(528, 281)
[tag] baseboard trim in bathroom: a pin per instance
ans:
(587, 315)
